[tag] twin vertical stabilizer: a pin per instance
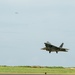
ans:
(61, 45)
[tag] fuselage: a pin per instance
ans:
(52, 48)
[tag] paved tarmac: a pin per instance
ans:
(37, 74)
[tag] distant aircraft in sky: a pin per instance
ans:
(51, 48)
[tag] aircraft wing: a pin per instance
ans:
(59, 49)
(51, 46)
(64, 49)
(54, 47)
(47, 44)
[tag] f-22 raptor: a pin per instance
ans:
(51, 48)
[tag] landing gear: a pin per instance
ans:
(49, 51)
(56, 51)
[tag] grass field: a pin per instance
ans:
(25, 69)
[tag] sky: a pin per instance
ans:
(26, 24)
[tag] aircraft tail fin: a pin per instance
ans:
(61, 45)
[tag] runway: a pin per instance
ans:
(37, 74)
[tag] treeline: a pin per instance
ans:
(43, 66)
(34, 66)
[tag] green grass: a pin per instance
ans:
(21, 69)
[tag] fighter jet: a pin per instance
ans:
(51, 48)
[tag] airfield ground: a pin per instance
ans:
(29, 70)
(37, 74)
